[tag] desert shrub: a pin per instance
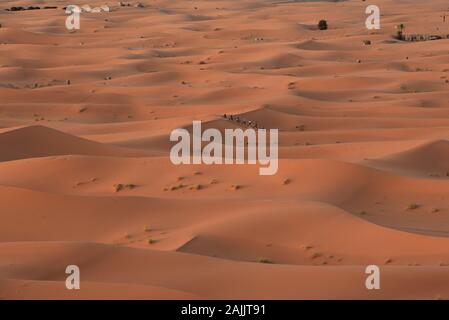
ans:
(322, 25)
(413, 206)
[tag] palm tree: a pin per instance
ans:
(400, 29)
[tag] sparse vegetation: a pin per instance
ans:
(176, 187)
(265, 260)
(120, 186)
(413, 206)
(316, 255)
(196, 187)
(322, 25)
(152, 241)
(434, 175)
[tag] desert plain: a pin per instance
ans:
(86, 178)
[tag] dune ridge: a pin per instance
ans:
(86, 179)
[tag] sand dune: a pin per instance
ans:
(430, 159)
(86, 179)
(39, 141)
(214, 276)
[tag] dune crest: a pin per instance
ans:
(86, 176)
(39, 141)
